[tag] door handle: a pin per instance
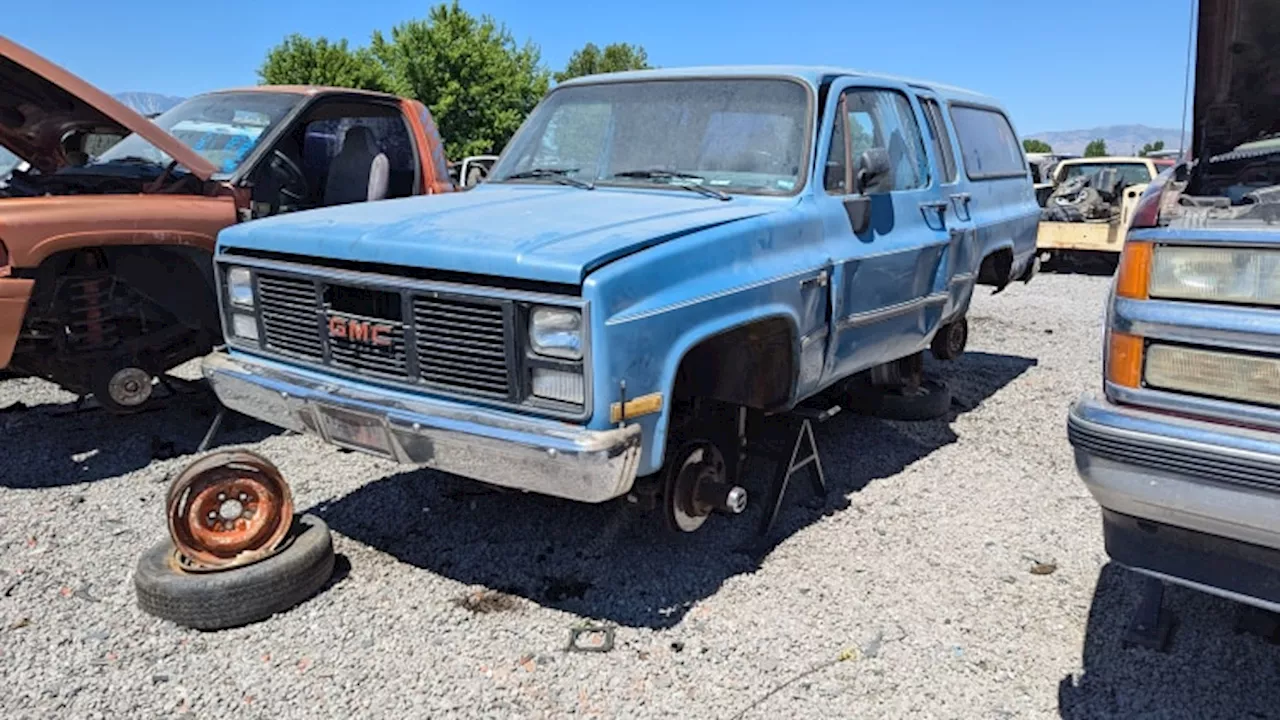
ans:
(961, 198)
(819, 281)
(940, 205)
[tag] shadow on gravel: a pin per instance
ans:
(55, 445)
(1209, 671)
(606, 562)
(1082, 262)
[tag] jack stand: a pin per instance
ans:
(1151, 625)
(803, 454)
(214, 427)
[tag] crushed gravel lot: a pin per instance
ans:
(909, 593)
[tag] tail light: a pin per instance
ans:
(1147, 213)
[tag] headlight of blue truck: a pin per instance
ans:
(240, 287)
(556, 332)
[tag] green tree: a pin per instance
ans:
(615, 57)
(477, 81)
(1032, 145)
(1149, 148)
(1096, 148)
(306, 61)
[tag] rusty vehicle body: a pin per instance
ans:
(106, 263)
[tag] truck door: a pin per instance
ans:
(888, 289)
(961, 260)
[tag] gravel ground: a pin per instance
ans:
(917, 572)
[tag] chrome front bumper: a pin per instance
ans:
(1206, 477)
(543, 456)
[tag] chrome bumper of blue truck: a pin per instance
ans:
(1188, 501)
(543, 456)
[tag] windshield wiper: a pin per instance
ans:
(559, 175)
(668, 177)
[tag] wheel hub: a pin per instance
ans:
(130, 387)
(698, 485)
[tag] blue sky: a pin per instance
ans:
(1056, 66)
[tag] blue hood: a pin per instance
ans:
(536, 232)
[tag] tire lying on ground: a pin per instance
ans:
(239, 596)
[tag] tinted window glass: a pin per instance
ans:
(941, 142)
(987, 143)
(884, 119)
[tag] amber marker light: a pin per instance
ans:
(1133, 276)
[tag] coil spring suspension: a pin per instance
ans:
(88, 299)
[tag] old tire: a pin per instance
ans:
(950, 340)
(931, 400)
(230, 598)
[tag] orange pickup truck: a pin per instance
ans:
(105, 263)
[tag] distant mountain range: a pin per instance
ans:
(1120, 139)
(145, 103)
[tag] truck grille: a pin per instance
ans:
(462, 345)
(454, 344)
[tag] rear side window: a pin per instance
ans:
(941, 142)
(987, 143)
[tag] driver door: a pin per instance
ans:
(888, 285)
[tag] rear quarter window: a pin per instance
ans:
(987, 143)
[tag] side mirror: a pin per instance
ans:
(872, 174)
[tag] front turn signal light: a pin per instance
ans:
(1133, 275)
(1124, 359)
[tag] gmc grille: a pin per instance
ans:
(455, 344)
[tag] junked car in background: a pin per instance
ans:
(105, 262)
(1043, 166)
(1182, 450)
(654, 254)
(1091, 204)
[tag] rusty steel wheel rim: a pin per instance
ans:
(228, 509)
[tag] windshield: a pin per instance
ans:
(222, 127)
(735, 135)
(1127, 173)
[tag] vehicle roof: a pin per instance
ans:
(310, 90)
(812, 75)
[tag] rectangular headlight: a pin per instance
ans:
(244, 326)
(1228, 275)
(556, 332)
(1232, 376)
(559, 385)
(240, 287)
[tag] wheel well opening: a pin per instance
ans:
(997, 268)
(752, 366)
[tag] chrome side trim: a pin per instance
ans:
(1227, 326)
(871, 316)
(1224, 410)
(538, 455)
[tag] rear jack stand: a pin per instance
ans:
(1151, 624)
(803, 455)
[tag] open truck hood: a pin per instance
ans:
(40, 103)
(1237, 74)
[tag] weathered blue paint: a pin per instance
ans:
(665, 269)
